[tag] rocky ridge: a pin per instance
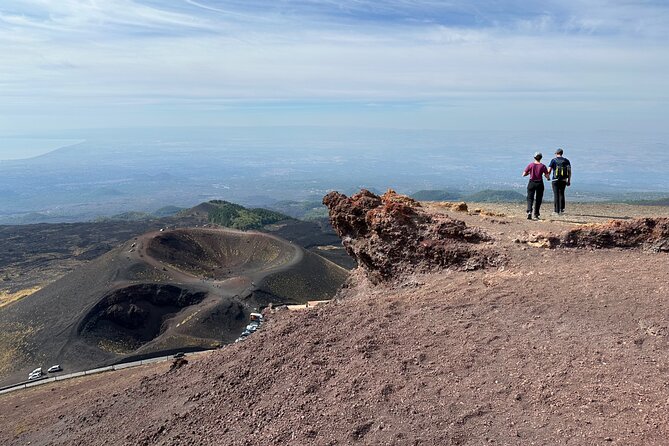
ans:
(392, 235)
(646, 234)
(650, 234)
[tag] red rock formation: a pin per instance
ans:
(651, 234)
(391, 235)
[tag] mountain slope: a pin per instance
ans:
(499, 355)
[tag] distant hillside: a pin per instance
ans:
(234, 216)
(28, 218)
(167, 211)
(303, 210)
(494, 196)
(658, 202)
(484, 196)
(127, 216)
(435, 195)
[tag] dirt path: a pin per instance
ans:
(577, 213)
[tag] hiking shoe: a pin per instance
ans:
(536, 217)
(529, 216)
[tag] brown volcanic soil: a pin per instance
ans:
(563, 346)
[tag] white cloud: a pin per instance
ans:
(107, 55)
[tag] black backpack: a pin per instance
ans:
(562, 169)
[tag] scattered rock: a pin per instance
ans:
(178, 363)
(457, 206)
(361, 430)
(653, 328)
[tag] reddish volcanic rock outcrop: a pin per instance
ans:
(650, 234)
(391, 235)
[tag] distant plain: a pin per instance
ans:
(144, 170)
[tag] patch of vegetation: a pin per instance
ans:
(315, 214)
(129, 216)
(494, 196)
(119, 347)
(167, 211)
(232, 215)
(7, 297)
(435, 195)
(14, 343)
(303, 210)
(29, 218)
(658, 202)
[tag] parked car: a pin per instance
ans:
(54, 368)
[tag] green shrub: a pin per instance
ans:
(238, 217)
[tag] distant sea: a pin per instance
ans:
(22, 148)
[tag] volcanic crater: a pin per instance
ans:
(206, 253)
(189, 288)
(131, 316)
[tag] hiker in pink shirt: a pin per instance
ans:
(535, 188)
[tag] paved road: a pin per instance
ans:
(111, 368)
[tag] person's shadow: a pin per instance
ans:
(608, 217)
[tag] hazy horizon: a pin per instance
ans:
(143, 170)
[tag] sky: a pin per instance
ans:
(554, 65)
